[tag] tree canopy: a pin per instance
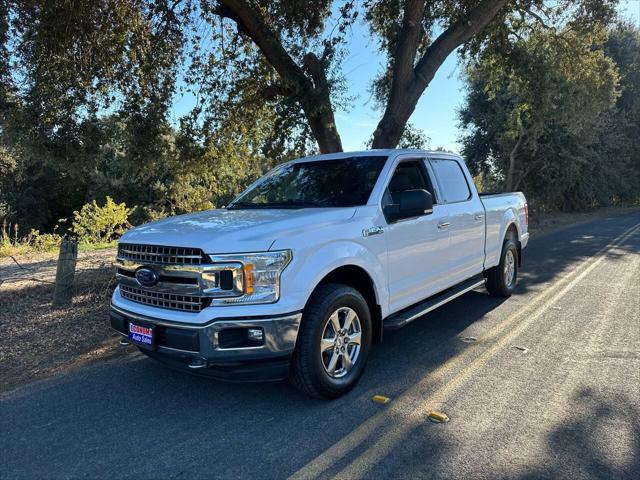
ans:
(554, 115)
(87, 88)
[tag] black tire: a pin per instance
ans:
(497, 284)
(308, 372)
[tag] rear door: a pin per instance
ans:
(466, 219)
(417, 247)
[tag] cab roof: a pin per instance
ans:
(389, 152)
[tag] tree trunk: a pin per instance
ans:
(512, 164)
(316, 104)
(324, 130)
(409, 82)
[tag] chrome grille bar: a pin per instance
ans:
(156, 254)
(186, 303)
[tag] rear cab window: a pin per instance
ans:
(451, 180)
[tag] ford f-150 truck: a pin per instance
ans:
(301, 273)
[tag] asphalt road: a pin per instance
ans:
(567, 407)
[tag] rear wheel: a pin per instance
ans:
(501, 280)
(333, 342)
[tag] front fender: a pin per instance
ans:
(310, 267)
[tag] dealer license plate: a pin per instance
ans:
(141, 335)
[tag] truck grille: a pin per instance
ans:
(185, 303)
(139, 253)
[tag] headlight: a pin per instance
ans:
(260, 282)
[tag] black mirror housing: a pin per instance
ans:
(415, 203)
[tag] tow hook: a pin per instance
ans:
(198, 362)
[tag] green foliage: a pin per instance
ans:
(545, 115)
(86, 89)
(11, 243)
(96, 224)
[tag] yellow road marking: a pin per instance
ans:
(395, 430)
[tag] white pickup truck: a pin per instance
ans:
(300, 275)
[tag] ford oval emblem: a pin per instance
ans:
(146, 277)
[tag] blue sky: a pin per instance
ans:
(436, 112)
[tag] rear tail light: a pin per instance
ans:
(526, 214)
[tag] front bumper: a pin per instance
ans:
(215, 349)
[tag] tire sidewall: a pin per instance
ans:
(509, 245)
(346, 297)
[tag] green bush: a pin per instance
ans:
(43, 242)
(96, 224)
(33, 242)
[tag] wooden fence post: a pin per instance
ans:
(65, 272)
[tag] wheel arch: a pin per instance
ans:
(512, 229)
(358, 278)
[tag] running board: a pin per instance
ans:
(399, 320)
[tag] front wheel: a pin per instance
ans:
(501, 280)
(333, 342)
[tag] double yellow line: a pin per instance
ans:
(410, 408)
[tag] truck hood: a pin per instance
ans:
(234, 231)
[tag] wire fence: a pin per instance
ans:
(94, 272)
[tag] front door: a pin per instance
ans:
(417, 247)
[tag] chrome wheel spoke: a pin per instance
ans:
(335, 322)
(355, 338)
(333, 362)
(346, 361)
(326, 344)
(351, 315)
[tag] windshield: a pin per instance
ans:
(341, 182)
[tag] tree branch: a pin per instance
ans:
(400, 107)
(313, 96)
(269, 44)
(454, 36)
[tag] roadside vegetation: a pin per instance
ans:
(94, 227)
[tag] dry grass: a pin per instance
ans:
(37, 340)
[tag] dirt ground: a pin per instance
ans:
(37, 340)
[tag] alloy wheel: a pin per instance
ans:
(340, 342)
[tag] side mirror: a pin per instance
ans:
(414, 203)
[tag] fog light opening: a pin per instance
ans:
(255, 335)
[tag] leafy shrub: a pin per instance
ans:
(11, 244)
(96, 224)
(43, 242)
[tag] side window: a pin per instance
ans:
(451, 180)
(408, 176)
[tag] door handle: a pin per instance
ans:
(443, 225)
(479, 216)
